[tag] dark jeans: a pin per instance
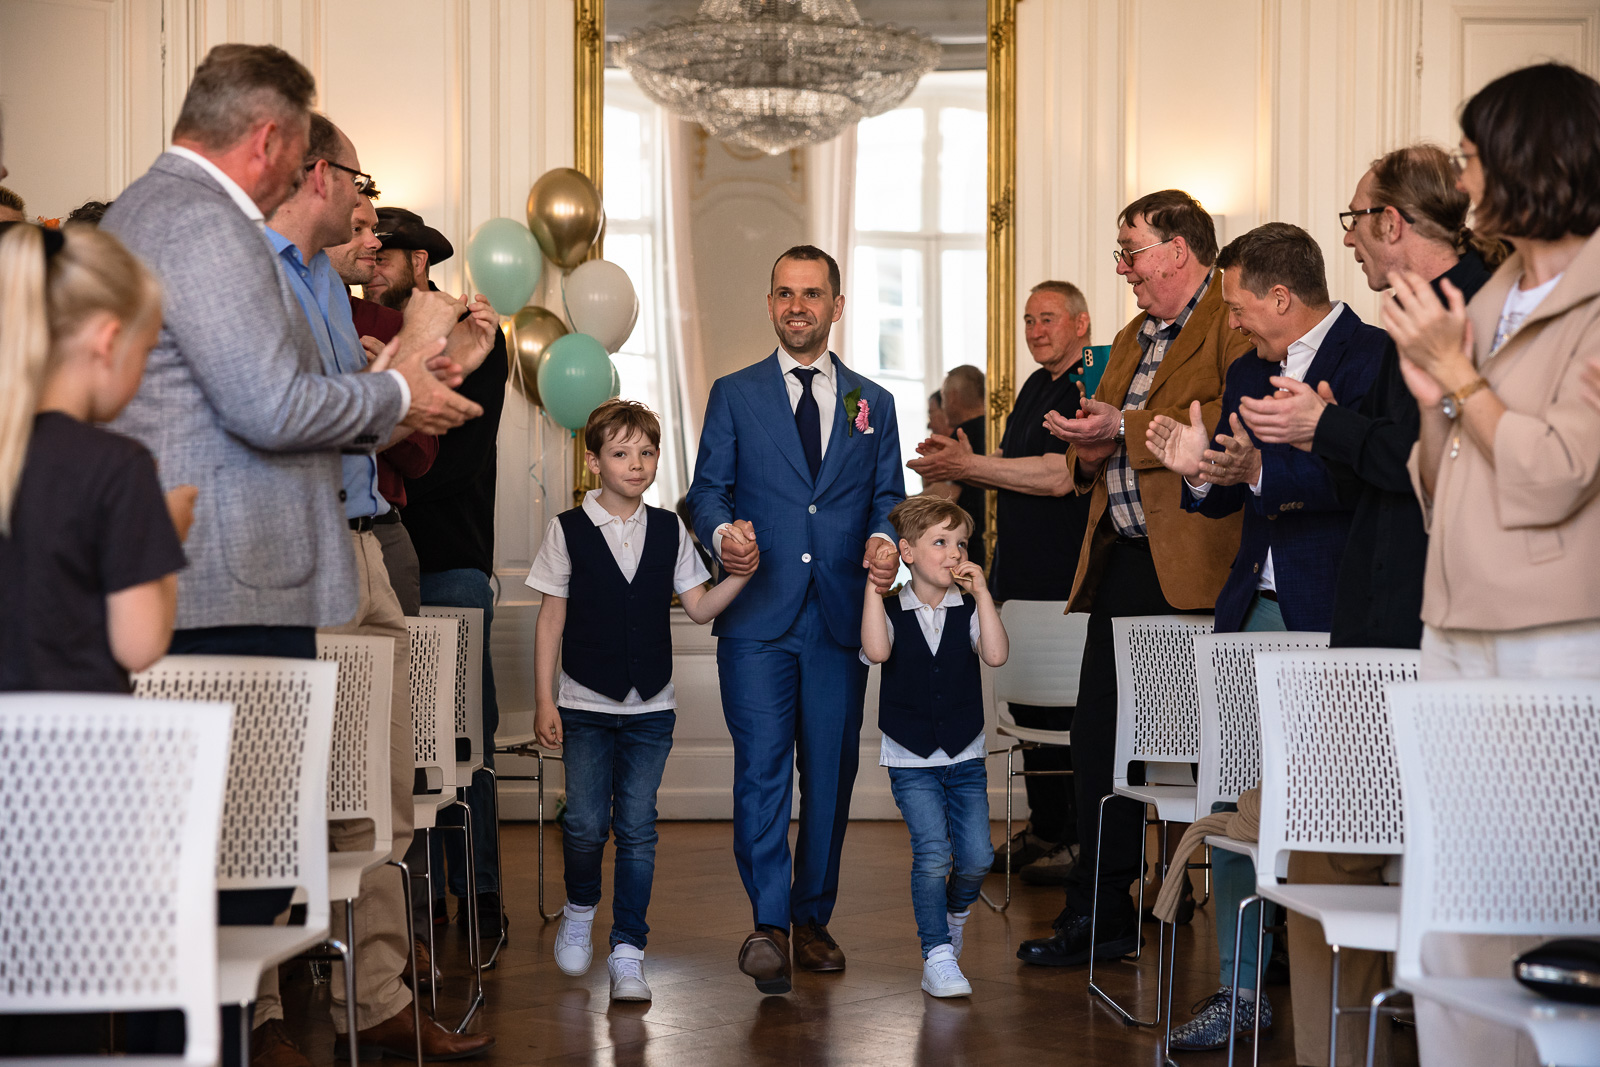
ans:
(613, 765)
(1052, 804)
(1128, 586)
(947, 813)
(469, 588)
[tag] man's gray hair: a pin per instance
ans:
(238, 86)
(967, 381)
(1076, 304)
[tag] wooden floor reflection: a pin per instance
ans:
(706, 1014)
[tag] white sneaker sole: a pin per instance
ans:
(626, 994)
(962, 990)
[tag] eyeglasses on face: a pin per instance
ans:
(364, 183)
(1347, 219)
(1125, 257)
(1459, 159)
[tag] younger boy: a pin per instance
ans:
(608, 570)
(930, 709)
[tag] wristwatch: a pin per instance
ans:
(1450, 403)
(1122, 427)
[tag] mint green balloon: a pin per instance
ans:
(505, 263)
(574, 379)
(616, 383)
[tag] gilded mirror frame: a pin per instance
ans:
(589, 21)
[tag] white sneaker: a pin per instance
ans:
(956, 923)
(626, 965)
(573, 950)
(941, 975)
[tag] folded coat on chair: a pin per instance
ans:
(1241, 825)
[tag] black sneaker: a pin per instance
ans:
(1053, 868)
(1069, 945)
(1209, 1027)
(1026, 847)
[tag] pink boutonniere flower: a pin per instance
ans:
(852, 399)
(861, 416)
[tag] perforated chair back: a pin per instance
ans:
(433, 696)
(1230, 715)
(108, 844)
(468, 716)
(358, 766)
(1046, 654)
(1158, 708)
(1329, 781)
(275, 815)
(1502, 817)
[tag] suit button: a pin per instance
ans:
(1255, 568)
(812, 509)
(805, 557)
(343, 496)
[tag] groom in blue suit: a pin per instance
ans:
(799, 456)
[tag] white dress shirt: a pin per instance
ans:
(1295, 365)
(930, 617)
(552, 574)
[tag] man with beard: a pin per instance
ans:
(799, 458)
(450, 516)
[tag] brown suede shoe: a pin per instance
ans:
(764, 956)
(271, 1046)
(395, 1037)
(815, 950)
(427, 973)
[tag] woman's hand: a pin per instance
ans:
(1434, 338)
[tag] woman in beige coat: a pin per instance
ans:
(1507, 459)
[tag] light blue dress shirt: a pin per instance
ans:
(326, 303)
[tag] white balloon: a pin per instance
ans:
(601, 302)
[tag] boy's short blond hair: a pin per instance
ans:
(916, 515)
(622, 419)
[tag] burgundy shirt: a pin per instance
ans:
(412, 457)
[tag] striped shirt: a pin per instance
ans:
(1122, 481)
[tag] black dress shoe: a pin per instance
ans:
(1069, 945)
(491, 918)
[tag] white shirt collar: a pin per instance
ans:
(1312, 341)
(787, 363)
(600, 516)
(909, 601)
(229, 186)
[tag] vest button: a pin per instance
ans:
(805, 557)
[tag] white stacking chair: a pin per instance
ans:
(1046, 655)
(109, 825)
(527, 746)
(1158, 721)
(1230, 734)
(434, 655)
(1325, 742)
(274, 820)
(1502, 831)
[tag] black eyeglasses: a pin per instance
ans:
(364, 183)
(1347, 219)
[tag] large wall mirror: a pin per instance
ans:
(915, 204)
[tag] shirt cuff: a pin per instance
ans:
(716, 542)
(1199, 492)
(887, 538)
(1255, 486)
(405, 393)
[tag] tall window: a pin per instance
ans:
(917, 289)
(635, 213)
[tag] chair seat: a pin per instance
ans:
(346, 869)
(510, 744)
(1228, 844)
(465, 769)
(426, 808)
(1568, 1034)
(1352, 916)
(244, 952)
(1035, 737)
(1174, 803)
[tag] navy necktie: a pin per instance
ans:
(808, 419)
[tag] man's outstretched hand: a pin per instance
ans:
(739, 552)
(882, 560)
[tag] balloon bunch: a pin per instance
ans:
(567, 371)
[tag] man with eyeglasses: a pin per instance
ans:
(1143, 553)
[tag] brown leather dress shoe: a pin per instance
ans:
(395, 1037)
(764, 956)
(271, 1046)
(815, 950)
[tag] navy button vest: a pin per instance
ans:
(929, 701)
(618, 634)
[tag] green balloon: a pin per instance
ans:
(574, 379)
(616, 382)
(505, 263)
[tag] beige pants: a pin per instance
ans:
(381, 948)
(1447, 1038)
(1361, 974)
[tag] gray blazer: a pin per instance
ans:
(235, 402)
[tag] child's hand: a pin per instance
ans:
(180, 506)
(547, 725)
(969, 576)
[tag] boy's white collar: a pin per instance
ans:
(600, 516)
(909, 601)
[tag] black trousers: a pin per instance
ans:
(1128, 586)
(1052, 803)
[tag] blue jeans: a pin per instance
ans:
(947, 811)
(1233, 877)
(613, 765)
(469, 588)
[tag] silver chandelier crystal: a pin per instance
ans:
(775, 74)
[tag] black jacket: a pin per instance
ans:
(1378, 600)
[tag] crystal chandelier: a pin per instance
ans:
(776, 74)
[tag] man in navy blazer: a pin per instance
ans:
(799, 456)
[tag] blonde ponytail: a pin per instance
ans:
(24, 353)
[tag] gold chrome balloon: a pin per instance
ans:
(532, 330)
(565, 215)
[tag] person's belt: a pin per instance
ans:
(366, 522)
(1134, 542)
(362, 525)
(1267, 594)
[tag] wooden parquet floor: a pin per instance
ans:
(707, 1014)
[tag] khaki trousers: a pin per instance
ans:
(381, 947)
(1361, 974)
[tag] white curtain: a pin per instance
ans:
(686, 355)
(831, 211)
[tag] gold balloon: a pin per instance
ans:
(565, 215)
(532, 330)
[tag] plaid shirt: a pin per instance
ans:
(1122, 481)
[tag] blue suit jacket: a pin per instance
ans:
(1298, 514)
(751, 466)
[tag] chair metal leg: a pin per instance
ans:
(411, 950)
(499, 869)
(1205, 897)
(1010, 780)
(1094, 921)
(1233, 999)
(1380, 1001)
(545, 915)
(1261, 977)
(474, 958)
(245, 1019)
(346, 950)
(433, 957)
(1172, 973)
(1333, 1011)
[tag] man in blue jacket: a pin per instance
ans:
(799, 456)
(1295, 526)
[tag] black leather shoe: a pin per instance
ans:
(490, 915)
(1069, 945)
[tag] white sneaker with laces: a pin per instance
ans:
(573, 949)
(941, 975)
(956, 922)
(626, 965)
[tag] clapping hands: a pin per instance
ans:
(1183, 449)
